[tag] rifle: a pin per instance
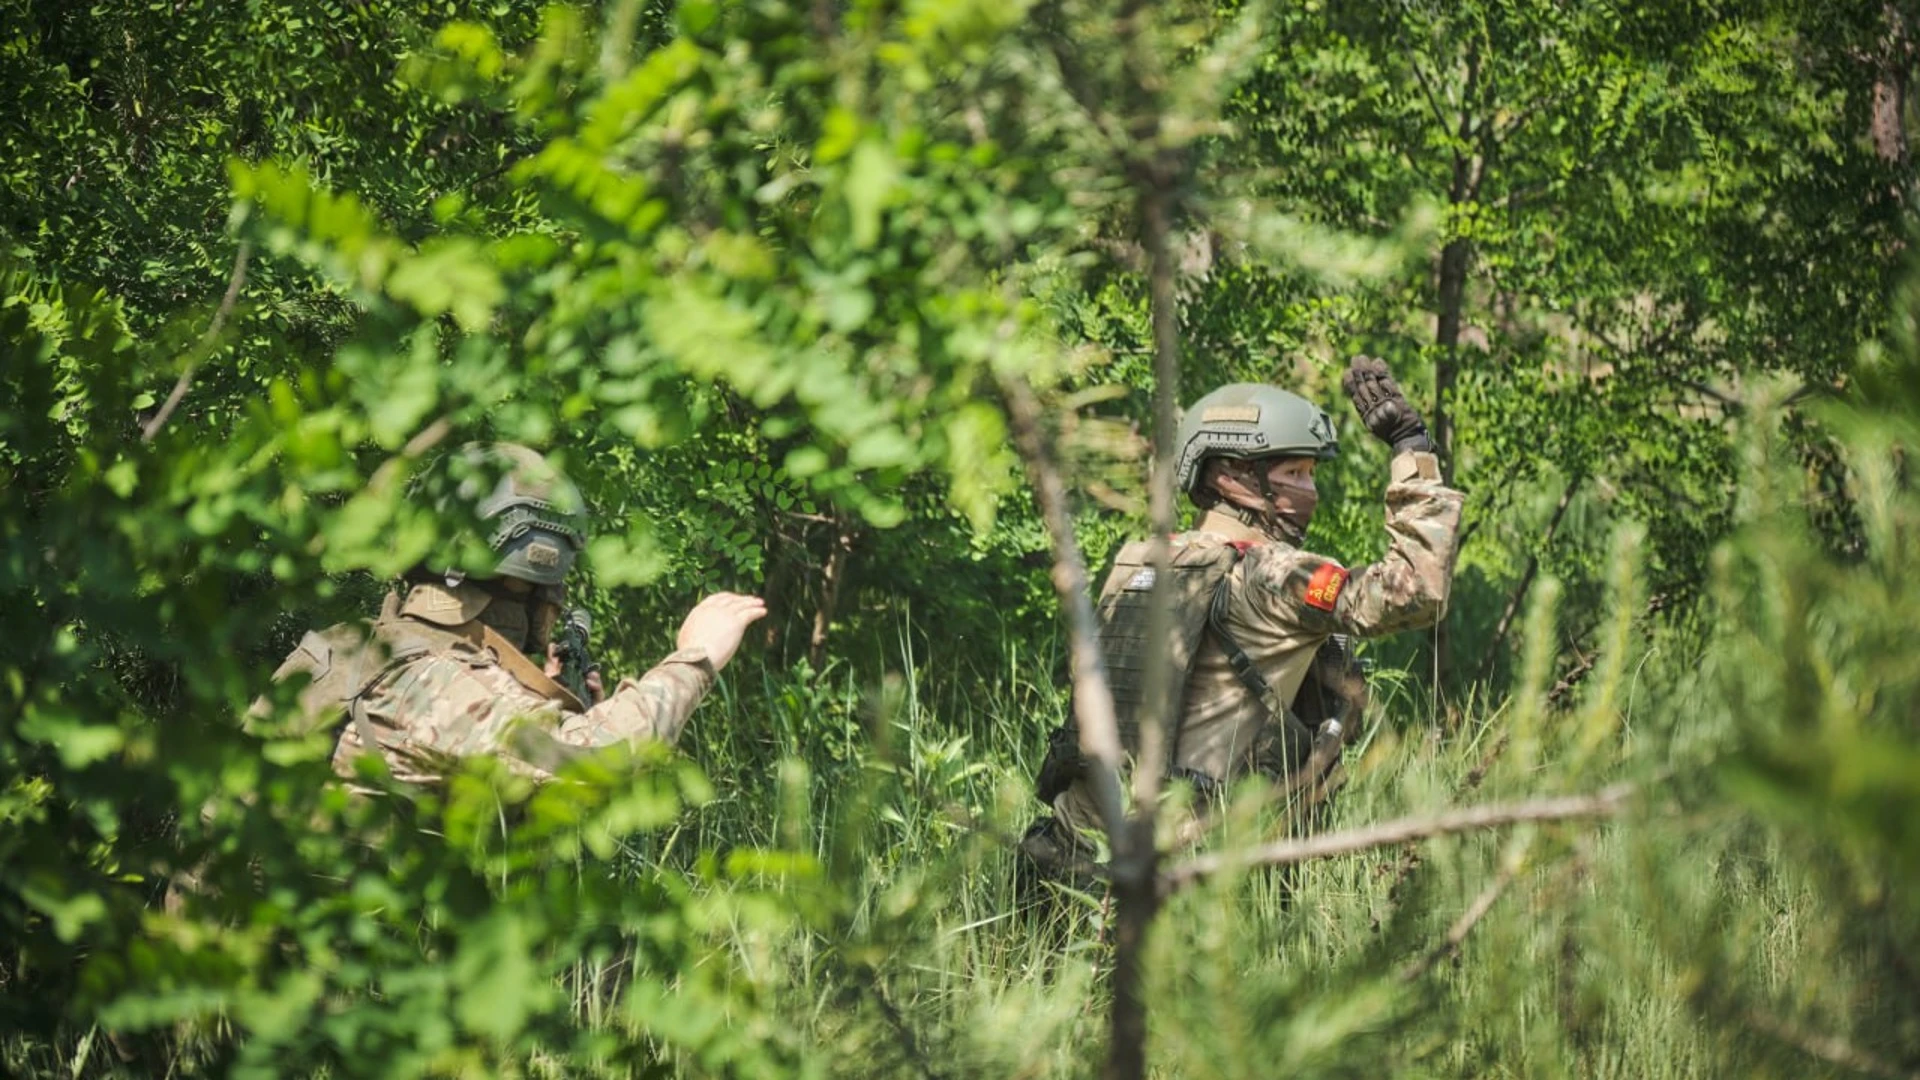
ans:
(576, 656)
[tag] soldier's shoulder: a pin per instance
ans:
(1302, 579)
(331, 666)
(319, 652)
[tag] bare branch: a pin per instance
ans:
(1463, 925)
(1526, 579)
(1828, 1048)
(423, 440)
(1572, 679)
(1092, 696)
(1604, 803)
(235, 282)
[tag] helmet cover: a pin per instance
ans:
(1249, 421)
(535, 518)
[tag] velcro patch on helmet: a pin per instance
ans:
(1231, 414)
(543, 554)
(1141, 581)
(1323, 589)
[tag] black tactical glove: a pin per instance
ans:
(1382, 407)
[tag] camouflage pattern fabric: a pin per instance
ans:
(438, 691)
(1284, 604)
(429, 713)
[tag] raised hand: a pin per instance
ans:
(717, 624)
(1382, 407)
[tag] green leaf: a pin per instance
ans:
(871, 177)
(499, 984)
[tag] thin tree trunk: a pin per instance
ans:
(1526, 580)
(831, 577)
(1136, 895)
(1452, 287)
(1890, 88)
(1092, 694)
(1159, 704)
(1469, 170)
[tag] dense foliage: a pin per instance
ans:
(758, 275)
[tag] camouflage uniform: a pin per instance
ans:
(428, 683)
(441, 674)
(1283, 604)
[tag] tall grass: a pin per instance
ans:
(1683, 939)
(1752, 913)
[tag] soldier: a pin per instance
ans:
(445, 671)
(1258, 619)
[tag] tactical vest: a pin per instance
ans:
(1200, 590)
(1199, 576)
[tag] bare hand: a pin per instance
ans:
(717, 623)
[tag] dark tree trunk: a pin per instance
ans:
(1450, 297)
(1136, 900)
(831, 577)
(1454, 259)
(1890, 87)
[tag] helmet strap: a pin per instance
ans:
(1273, 524)
(1266, 517)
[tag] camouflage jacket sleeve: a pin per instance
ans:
(440, 708)
(1405, 590)
(657, 705)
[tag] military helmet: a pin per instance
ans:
(1249, 421)
(534, 517)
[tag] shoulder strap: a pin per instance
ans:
(526, 672)
(404, 640)
(1237, 657)
(1322, 749)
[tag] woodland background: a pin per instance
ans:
(771, 281)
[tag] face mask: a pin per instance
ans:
(507, 616)
(1293, 504)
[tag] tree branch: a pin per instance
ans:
(1828, 1048)
(1092, 696)
(1526, 579)
(207, 341)
(1603, 803)
(1462, 926)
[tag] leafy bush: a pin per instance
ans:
(757, 273)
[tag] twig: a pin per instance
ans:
(1571, 680)
(909, 1043)
(1828, 1048)
(423, 440)
(1462, 926)
(234, 284)
(1603, 803)
(1478, 773)
(1410, 859)
(1093, 711)
(1526, 579)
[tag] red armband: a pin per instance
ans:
(1323, 589)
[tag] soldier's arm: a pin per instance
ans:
(437, 710)
(1406, 589)
(656, 705)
